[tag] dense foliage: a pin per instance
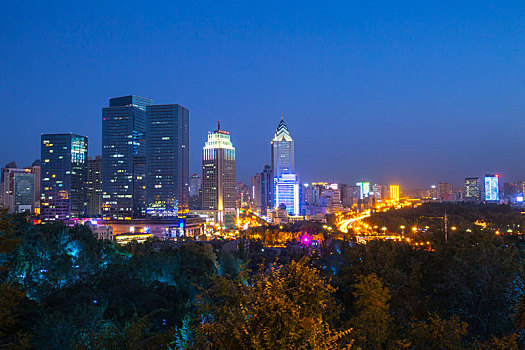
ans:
(62, 289)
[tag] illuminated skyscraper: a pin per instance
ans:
(394, 192)
(283, 156)
(123, 157)
(218, 172)
(491, 187)
(472, 189)
(63, 172)
(287, 193)
(167, 166)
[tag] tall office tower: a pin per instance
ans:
(167, 160)
(63, 172)
(287, 193)
(394, 192)
(491, 187)
(94, 186)
(262, 190)
(123, 157)
(472, 189)
(364, 189)
(218, 172)
(283, 158)
(444, 191)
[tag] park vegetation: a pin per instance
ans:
(60, 288)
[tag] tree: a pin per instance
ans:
(281, 308)
(372, 318)
(437, 334)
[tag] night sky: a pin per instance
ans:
(413, 92)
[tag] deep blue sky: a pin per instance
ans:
(410, 92)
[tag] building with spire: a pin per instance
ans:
(219, 191)
(286, 182)
(283, 157)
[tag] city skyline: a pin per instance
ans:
(403, 99)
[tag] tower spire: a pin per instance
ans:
(282, 116)
(219, 125)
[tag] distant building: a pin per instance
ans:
(262, 190)
(35, 169)
(123, 158)
(94, 186)
(63, 176)
(195, 185)
(23, 192)
(364, 189)
(394, 192)
(333, 199)
(195, 192)
(167, 160)
(243, 195)
(218, 172)
(491, 188)
(472, 190)
(445, 191)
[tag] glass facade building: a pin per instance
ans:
(167, 156)
(123, 158)
(63, 176)
(287, 193)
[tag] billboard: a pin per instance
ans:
(491, 187)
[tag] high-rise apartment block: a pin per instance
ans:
(63, 176)
(167, 160)
(123, 157)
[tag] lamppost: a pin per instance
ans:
(402, 227)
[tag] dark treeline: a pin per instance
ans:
(62, 289)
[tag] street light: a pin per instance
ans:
(384, 229)
(402, 227)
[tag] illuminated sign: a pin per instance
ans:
(491, 187)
